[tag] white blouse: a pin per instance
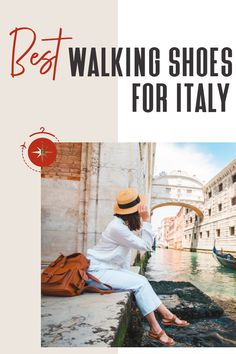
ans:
(113, 250)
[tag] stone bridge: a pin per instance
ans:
(179, 189)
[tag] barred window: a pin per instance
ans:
(233, 201)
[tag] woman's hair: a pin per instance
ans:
(133, 221)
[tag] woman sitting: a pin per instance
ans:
(110, 260)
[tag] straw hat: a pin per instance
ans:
(127, 201)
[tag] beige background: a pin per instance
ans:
(74, 109)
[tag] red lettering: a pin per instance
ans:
(46, 60)
(15, 33)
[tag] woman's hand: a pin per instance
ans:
(143, 212)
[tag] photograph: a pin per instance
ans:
(118, 176)
(138, 245)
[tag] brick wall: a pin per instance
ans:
(68, 163)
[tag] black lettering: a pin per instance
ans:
(210, 99)
(135, 97)
(154, 64)
(223, 95)
(174, 70)
(189, 89)
(213, 61)
(187, 62)
(139, 62)
(115, 60)
(127, 61)
(202, 61)
(147, 98)
(93, 63)
(227, 69)
(200, 101)
(178, 97)
(103, 57)
(161, 98)
(77, 61)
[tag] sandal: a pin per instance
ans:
(171, 322)
(158, 336)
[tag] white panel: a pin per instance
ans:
(165, 24)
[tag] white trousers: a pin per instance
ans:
(145, 297)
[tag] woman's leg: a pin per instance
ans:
(154, 325)
(146, 298)
(168, 315)
(155, 328)
(164, 311)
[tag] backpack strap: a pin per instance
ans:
(59, 258)
(81, 288)
(93, 289)
(98, 281)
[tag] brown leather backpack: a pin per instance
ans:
(67, 276)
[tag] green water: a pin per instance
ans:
(201, 269)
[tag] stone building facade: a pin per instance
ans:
(167, 236)
(189, 231)
(179, 189)
(173, 229)
(79, 188)
(219, 221)
(179, 228)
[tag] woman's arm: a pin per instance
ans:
(125, 237)
(146, 230)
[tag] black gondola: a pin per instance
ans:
(225, 259)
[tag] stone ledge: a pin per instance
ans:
(86, 320)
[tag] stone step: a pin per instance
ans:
(186, 300)
(86, 320)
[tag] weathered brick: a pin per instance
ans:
(67, 164)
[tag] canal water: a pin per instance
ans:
(201, 269)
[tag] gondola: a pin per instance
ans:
(225, 259)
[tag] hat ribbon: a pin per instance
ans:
(129, 205)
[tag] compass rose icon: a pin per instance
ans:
(41, 151)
